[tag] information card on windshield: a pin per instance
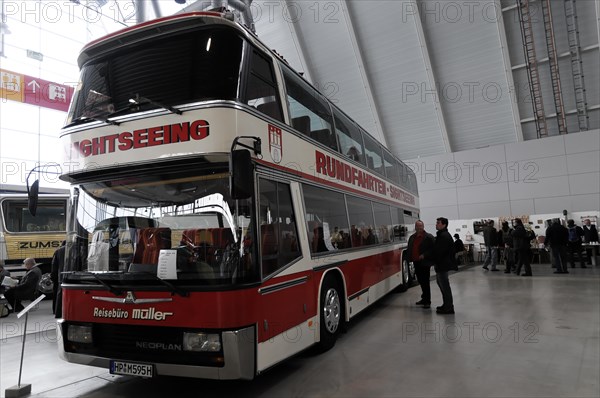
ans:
(167, 264)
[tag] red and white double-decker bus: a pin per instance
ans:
(224, 214)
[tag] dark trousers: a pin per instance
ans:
(589, 253)
(559, 253)
(509, 257)
(14, 297)
(444, 284)
(575, 247)
(524, 260)
(422, 272)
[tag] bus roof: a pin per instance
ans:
(135, 33)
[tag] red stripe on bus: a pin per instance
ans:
(273, 313)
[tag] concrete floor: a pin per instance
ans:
(510, 337)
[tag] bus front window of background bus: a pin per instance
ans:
(49, 218)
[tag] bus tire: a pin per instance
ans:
(405, 277)
(412, 275)
(331, 316)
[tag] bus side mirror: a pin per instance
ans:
(32, 197)
(241, 180)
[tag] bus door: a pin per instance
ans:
(287, 300)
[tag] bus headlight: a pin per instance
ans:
(204, 342)
(80, 334)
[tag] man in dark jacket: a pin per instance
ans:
(27, 286)
(507, 242)
(420, 252)
(522, 245)
(490, 238)
(574, 243)
(590, 235)
(58, 261)
(443, 253)
(557, 237)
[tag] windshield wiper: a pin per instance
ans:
(116, 292)
(174, 289)
(140, 100)
(99, 119)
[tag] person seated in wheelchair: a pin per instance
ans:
(26, 288)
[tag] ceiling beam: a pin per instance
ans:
(510, 82)
(364, 75)
(598, 19)
(298, 42)
(416, 15)
(140, 11)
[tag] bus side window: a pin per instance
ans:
(349, 137)
(308, 109)
(278, 230)
(327, 221)
(261, 88)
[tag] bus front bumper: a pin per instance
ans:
(238, 352)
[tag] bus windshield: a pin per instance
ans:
(183, 220)
(159, 73)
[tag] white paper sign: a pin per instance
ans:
(167, 264)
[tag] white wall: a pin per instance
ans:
(544, 176)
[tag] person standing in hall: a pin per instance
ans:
(443, 253)
(574, 244)
(590, 235)
(490, 238)
(557, 237)
(58, 261)
(420, 252)
(459, 248)
(522, 245)
(507, 242)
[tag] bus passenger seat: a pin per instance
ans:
(356, 237)
(190, 237)
(270, 109)
(222, 237)
(270, 248)
(268, 240)
(302, 124)
(151, 241)
(200, 242)
(325, 137)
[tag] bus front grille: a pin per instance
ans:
(142, 343)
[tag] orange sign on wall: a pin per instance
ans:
(34, 91)
(11, 86)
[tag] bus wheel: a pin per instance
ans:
(405, 277)
(412, 275)
(331, 316)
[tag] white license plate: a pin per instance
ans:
(131, 369)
